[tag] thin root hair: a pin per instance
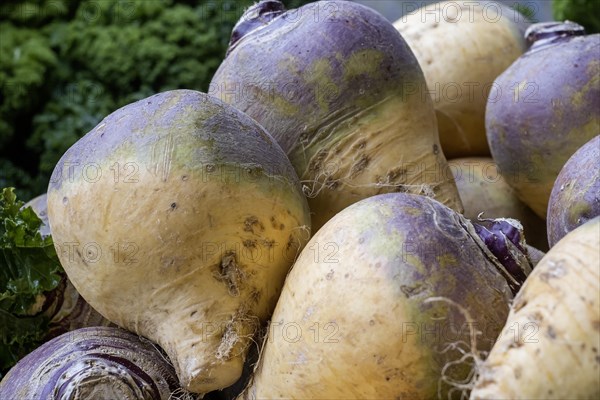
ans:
(469, 352)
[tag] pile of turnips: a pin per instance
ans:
(329, 222)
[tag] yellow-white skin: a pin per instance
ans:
(353, 320)
(549, 347)
(462, 46)
(189, 243)
(391, 146)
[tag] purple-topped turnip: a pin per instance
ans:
(575, 198)
(177, 218)
(393, 298)
(543, 108)
(340, 90)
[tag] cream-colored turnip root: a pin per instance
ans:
(549, 347)
(177, 218)
(462, 46)
(393, 298)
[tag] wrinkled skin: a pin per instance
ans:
(354, 320)
(337, 87)
(575, 198)
(544, 107)
(462, 47)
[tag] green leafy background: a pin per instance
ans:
(584, 12)
(29, 267)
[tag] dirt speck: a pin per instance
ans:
(230, 273)
(249, 244)
(252, 224)
(410, 291)
(276, 224)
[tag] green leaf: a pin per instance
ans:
(29, 270)
(583, 12)
(18, 337)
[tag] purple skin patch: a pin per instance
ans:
(496, 237)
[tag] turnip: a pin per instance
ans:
(485, 193)
(338, 88)
(462, 47)
(549, 346)
(390, 299)
(177, 218)
(575, 197)
(93, 363)
(543, 108)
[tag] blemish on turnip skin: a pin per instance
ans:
(268, 243)
(252, 223)
(230, 273)
(276, 224)
(517, 373)
(360, 166)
